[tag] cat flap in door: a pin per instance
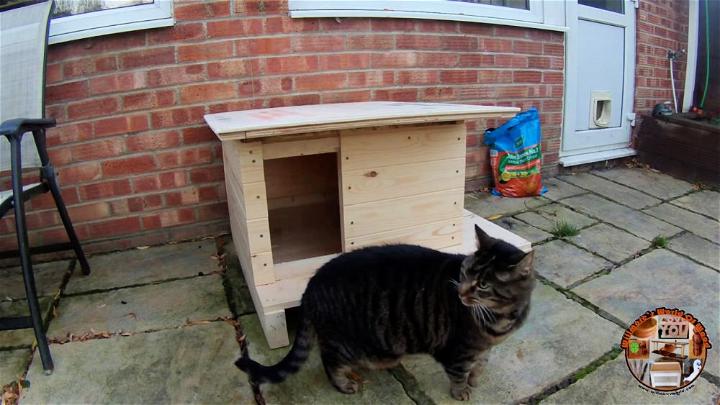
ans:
(600, 109)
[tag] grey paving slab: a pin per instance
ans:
(532, 234)
(636, 222)
(613, 191)
(547, 216)
(660, 278)
(487, 205)
(558, 189)
(48, 279)
(20, 337)
(609, 242)
(565, 264)
(141, 266)
(648, 181)
(13, 364)
(541, 353)
(705, 202)
(187, 365)
(612, 383)
(150, 307)
(310, 385)
(683, 218)
(697, 248)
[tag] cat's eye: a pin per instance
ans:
(483, 285)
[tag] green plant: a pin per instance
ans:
(563, 229)
(659, 242)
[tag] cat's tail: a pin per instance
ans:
(300, 351)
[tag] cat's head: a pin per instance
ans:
(497, 276)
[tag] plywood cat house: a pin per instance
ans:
(309, 182)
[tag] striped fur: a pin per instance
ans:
(371, 306)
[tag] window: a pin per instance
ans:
(77, 19)
(544, 14)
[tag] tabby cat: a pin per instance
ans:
(371, 306)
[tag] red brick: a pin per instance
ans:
(69, 133)
(173, 179)
(553, 49)
(407, 41)
(326, 81)
(177, 217)
(495, 76)
(460, 43)
(371, 78)
(180, 32)
(458, 76)
(263, 46)
(209, 193)
(436, 26)
(105, 189)
(175, 75)
(225, 28)
(117, 82)
(185, 157)
(261, 7)
(128, 166)
(318, 43)
(44, 201)
(205, 51)
(418, 77)
(198, 135)
(66, 91)
(344, 61)
(92, 108)
(496, 45)
(347, 96)
(394, 59)
(42, 219)
(539, 62)
(265, 86)
(513, 32)
(345, 24)
(200, 10)
(437, 59)
(97, 150)
(528, 47)
(146, 184)
(291, 64)
(120, 125)
(188, 196)
(60, 156)
(153, 141)
(553, 77)
(212, 211)
(89, 212)
(207, 92)
(79, 173)
(89, 66)
(396, 95)
(476, 60)
(114, 227)
(371, 41)
(148, 57)
(148, 100)
(200, 175)
(232, 68)
(177, 117)
(527, 76)
(511, 61)
(392, 24)
(53, 73)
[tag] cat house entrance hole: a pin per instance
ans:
(303, 206)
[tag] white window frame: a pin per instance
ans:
(112, 21)
(542, 14)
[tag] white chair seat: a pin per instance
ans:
(7, 194)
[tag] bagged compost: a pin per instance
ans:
(515, 155)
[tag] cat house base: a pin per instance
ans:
(307, 183)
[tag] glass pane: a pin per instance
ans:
(521, 4)
(615, 6)
(64, 8)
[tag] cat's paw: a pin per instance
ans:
(348, 387)
(461, 393)
(474, 379)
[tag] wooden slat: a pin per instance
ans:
(301, 268)
(380, 216)
(259, 235)
(372, 184)
(303, 147)
(252, 197)
(435, 235)
(246, 159)
(372, 148)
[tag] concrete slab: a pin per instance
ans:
(683, 218)
(648, 181)
(635, 222)
(310, 385)
(612, 383)
(13, 364)
(542, 353)
(48, 279)
(613, 191)
(697, 248)
(704, 202)
(186, 365)
(565, 264)
(534, 235)
(142, 266)
(20, 337)
(558, 189)
(609, 242)
(488, 206)
(547, 216)
(150, 307)
(660, 278)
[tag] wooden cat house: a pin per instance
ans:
(309, 182)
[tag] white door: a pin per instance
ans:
(599, 80)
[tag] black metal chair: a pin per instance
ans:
(23, 49)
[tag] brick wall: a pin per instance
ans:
(137, 163)
(661, 25)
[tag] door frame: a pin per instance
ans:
(605, 152)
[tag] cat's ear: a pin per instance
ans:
(484, 241)
(525, 266)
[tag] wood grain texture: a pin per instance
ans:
(302, 147)
(435, 235)
(246, 159)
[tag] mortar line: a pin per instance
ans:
(611, 199)
(129, 286)
(685, 230)
(663, 200)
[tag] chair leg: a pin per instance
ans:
(62, 210)
(23, 249)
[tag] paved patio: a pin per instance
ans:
(158, 325)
